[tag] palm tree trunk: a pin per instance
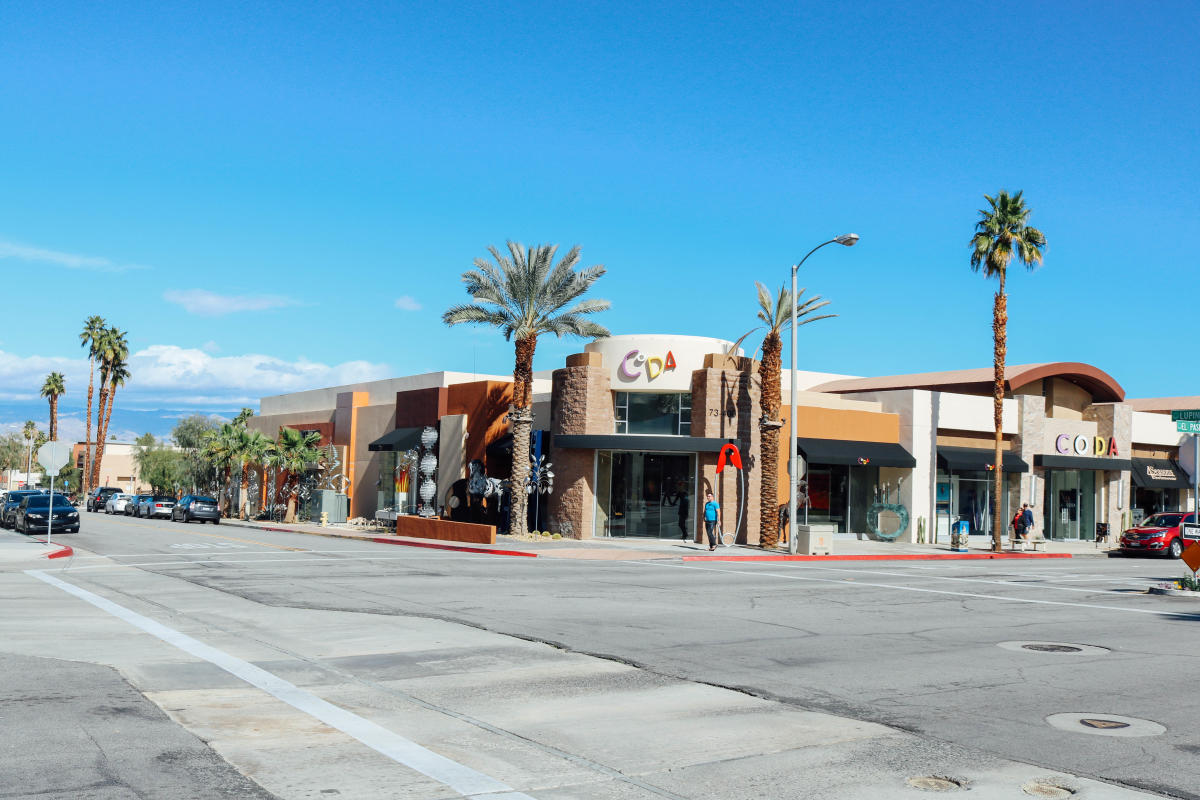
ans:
(99, 451)
(53, 417)
(522, 423)
(87, 434)
(105, 414)
(245, 490)
(290, 516)
(768, 535)
(1000, 333)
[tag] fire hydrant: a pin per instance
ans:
(324, 519)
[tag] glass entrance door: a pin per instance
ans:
(1071, 503)
(649, 494)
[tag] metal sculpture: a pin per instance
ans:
(735, 460)
(479, 484)
(428, 468)
(539, 482)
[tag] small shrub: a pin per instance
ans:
(1189, 582)
(556, 536)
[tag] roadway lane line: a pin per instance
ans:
(210, 535)
(459, 777)
(989, 581)
(850, 583)
(295, 560)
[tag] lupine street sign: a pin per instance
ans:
(1185, 426)
(1191, 416)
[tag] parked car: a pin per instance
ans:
(36, 513)
(135, 502)
(8, 512)
(99, 496)
(1158, 533)
(116, 503)
(196, 506)
(158, 505)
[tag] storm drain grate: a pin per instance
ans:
(1052, 648)
(1043, 789)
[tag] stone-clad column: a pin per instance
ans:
(1113, 421)
(726, 404)
(581, 403)
(1028, 443)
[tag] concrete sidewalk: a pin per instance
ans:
(17, 548)
(637, 549)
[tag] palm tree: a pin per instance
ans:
(525, 296)
(93, 327)
(293, 452)
(252, 449)
(219, 450)
(1001, 233)
(52, 389)
(776, 314)
(112, 350)
(29, 433)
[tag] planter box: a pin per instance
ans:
(444, 530)
(815, 540)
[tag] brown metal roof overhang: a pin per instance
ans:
(855, 454)
(1159, 473)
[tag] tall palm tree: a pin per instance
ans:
(293, 452)
(112, 350)
(526, 296)
(1001, 233)
(251, 450)
(89, 337)
(52, 389)
(776, 314)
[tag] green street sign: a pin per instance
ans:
(1187, 426)
(1191, 416)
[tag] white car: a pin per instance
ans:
(116, 504)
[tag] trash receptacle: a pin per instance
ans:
(959, 533)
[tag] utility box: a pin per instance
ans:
(814, 540)
(327, 501)
(959, 536)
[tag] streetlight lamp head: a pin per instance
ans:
(848, 239)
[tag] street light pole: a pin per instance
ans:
(847, 240)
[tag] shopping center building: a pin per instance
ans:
(639, 427)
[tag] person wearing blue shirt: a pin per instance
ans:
(711, 509)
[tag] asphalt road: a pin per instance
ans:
(930, 648)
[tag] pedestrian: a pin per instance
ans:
(1016, 525)
(1026, 521)
(683, 513)
(711, 509)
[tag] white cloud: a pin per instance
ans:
(211, 304)
(168, 376)
(24, 252)
(407, 303)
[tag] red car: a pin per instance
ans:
(1159, 533)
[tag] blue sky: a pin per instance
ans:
(279, 196)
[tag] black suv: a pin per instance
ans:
(97, 497)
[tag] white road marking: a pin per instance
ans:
(849, 583)
(287, 560)
(459, 777)
(205, 545)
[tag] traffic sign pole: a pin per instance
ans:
(52, 456)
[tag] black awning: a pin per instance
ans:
(855, 454)
(399, 440)
(976, 459)
(633, 441)
(1081, 462)
(1159, 473)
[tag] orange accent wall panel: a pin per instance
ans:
(854, 426)
(485, 404)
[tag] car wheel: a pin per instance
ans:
(1176, 548)
(216, 522)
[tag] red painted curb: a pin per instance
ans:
(63, 551)
(487, 550)
(901, 557)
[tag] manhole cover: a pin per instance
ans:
(1039, 789)
(1053, 648)
(1057, 648)
(935, 783)
(1105, 724)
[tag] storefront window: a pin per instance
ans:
(645, 494)
(653, 414)
(397, 483)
